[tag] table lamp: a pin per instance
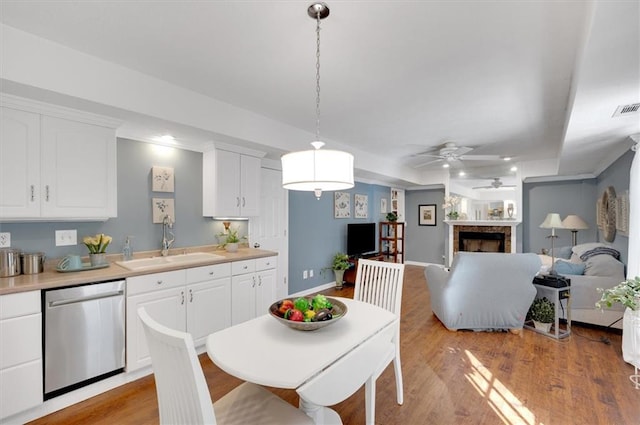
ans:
(574, 223)
(552, 222)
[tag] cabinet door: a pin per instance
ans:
(208, 308)
(167, 307)
(249, 186)
(243, 298)
(78, 169)
(227, 202)
(266, 291)
(19, 163)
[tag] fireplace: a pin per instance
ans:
(482, 238)
(481, 242)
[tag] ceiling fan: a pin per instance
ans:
(495, 184)
(453, 155)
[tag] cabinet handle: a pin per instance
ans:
(33, 193)
(237, 201)
(254, 282)
(47, 193)
(243, 201)
(245, 267)
(182, 296)
(259, 280)
(159, 282)
(190, 295)
(211, 273)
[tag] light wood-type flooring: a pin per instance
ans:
(450, 378)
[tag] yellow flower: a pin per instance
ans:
(97, 244)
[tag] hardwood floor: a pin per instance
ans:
(449, 378)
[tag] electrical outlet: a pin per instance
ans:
(311, 273)
(66, 237)
(5, 240)
(305, 274)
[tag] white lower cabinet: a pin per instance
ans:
(20, 352)
(253, 288)
(196, 300)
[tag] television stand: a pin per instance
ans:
(350, 273)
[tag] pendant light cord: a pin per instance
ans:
(318, 76)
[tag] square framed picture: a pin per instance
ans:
(342, 205)
(427, 215)
(162, 179)
(162, 207)
(361, 208)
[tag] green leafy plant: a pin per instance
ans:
(97, 244)
(340, 262)
(542, 310)
(626, 293)
(230, 237)
(392, 216)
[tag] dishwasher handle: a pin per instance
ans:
(86, 298)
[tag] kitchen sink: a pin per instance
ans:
(171, 260)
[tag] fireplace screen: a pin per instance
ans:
(481, 242)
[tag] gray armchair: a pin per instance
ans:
(483, 290)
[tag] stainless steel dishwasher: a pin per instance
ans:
(84, 335)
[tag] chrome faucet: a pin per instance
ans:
(167, 223)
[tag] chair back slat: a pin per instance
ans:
(380, 283)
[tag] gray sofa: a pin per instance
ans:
(483, 291)
(598, 268)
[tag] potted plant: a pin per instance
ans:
(626, 293)
(543, 313)
(230, 240)
(97, 246)
(339, 264)
(392, 217)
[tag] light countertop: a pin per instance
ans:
(51, 278)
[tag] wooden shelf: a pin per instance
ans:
(350, 273)
(392, 241)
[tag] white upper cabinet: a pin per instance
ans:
(55, 163)
(231, 186)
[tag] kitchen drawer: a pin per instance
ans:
(20, 388)
(21, 340)
(243, 267)
(20, 304)
(155, 282)
(266, 263)
(215, 271)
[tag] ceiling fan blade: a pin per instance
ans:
(430, 155)
(480, 157)
(422, 164)
(461, 150)
(482, 187)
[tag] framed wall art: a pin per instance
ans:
(341, 205)
(162, 207)
(383, 206)
(427, 215)
(361, 207)
(162, 179)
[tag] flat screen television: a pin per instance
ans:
(361, 239)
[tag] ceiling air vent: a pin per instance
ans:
(626, 109)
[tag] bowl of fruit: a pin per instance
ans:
(308, 313)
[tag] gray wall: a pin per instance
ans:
(618, 176)
(425, 244)
(315, 236)
(567, 197)
(135, 160)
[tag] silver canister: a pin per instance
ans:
(33, 262)
(9, 262)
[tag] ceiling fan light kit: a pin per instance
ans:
(317, 170)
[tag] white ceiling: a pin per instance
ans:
(534, 80)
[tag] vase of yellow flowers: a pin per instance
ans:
(97, 246)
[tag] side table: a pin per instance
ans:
(556, 296)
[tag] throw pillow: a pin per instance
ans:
(604, 265)
(562, 252)
(566, 267)
(601, 250)
(584, 247)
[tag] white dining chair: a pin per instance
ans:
(183, 395)
(344, 377)
(380, 283)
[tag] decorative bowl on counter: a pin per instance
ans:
(318, 313)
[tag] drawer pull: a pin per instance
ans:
(190, 295)
(182, 296)
(47, 193)
(33, 191)
(159, 282)
(211, 273)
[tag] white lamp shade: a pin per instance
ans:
(552, 221)
(574, 222)
(317, 169)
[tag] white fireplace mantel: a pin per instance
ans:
(511, 223)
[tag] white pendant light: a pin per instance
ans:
(317, 170)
